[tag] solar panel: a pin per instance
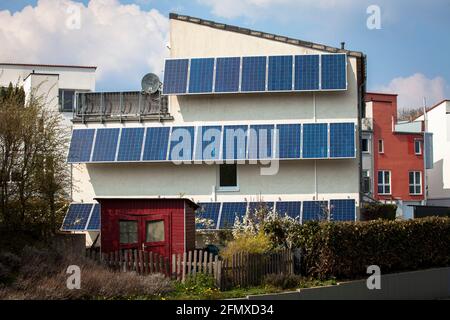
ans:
(290, 208)
(156, 143)
(289, 141)
(342, 210)
(77, 217)
(280, 73)
(201, 75)
(253, 74)
(208, 210)
(208, 143)
(234, 143)
(258, 205)
(231, 210)
(130, 144)
(80, 145)
(342, 140)
(314, 210)
(315, 140)
(175, 76)
(306, 72)
(182, 143)
(105, 144)
(94, 222)
(260, 144)
(334, 73)
(227, 74)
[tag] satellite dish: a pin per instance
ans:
(150, 83)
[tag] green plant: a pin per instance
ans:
(374, 211)
(200, 285)
(259, 243)
(282, 281)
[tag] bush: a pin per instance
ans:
(374, 211)
(282, 281)
(259, 243)
(344, 250)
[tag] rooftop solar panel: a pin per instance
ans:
(130, 144)
(289, 137)
(106, 144)
(280, 73)
(342, 140)
(314, 211)
(175, 76)
(253, 74)
(234, 143)
(182, 143)
(208, 142)
(306, 72)
(156, 143)
(231, 210)
(227, 74)
(80, 145)
(77, 217)
(94, 221)
(289, 208)
(261, 139)
(342, 210)
(201, 75)
(208, 210)
(315, 140)
(334, 73)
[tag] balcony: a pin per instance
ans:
(367, 124)
(120, 106)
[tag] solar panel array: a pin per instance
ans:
(215, 142)
(255, 74)
(82, 217)
(223, 215)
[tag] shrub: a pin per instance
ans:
(282, 281)
(344, 250)
(259, 243)
(374, 211)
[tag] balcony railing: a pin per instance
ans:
(117, 106)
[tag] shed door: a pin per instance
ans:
(156, 234)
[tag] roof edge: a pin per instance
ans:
(263, 35)
(46, 65)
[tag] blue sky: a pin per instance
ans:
(409, 55)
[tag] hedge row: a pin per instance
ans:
(344, 250)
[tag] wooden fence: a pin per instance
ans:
(242, 269)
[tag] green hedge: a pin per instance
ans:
(344, 250)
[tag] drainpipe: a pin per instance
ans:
(425, 180)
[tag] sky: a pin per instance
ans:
(406, 42)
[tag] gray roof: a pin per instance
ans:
(264, 35)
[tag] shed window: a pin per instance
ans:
(128, 232)
(155, 231)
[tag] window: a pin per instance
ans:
(128, 232)
(66, 99)
(365, 145)
(155, 231)
(380, 146)
(366, 181)
(417, 146)
(415, 182)
(228, 177)
(384, 182)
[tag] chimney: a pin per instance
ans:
(343, 45)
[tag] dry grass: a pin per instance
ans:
(42, 275)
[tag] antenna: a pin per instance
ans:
(150, 83)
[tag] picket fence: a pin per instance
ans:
(242, 269)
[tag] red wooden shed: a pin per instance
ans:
(163, 226)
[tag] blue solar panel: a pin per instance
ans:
(280, 73)
(255, 206)
(94, 222)
(290, 208)
(306, 72)
(208, 210)
(81, 145)
(130, 144)
(175, 76)
(334, 71)
(288, 141)
(342, 210)
(77, 217)
(182, 143)
(234, 143)
(260, 144)
(227, 74)
(106, 144)
(342, 140)
(156, 143)
(315, 140)
(231, 210)
(315, 210)
(201, 75)
(208, 143)
(253, 74)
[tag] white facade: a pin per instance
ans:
(295, 180)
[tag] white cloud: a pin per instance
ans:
(411, 90)
(124, 41)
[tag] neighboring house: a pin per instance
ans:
(393, 155)
(438, 123)
(244, 117)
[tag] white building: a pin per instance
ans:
(317, 179)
